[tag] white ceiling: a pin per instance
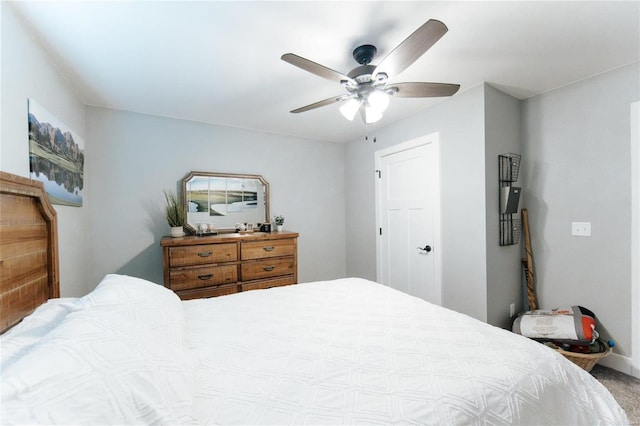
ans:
(219, 61)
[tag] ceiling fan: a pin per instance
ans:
(367, 86)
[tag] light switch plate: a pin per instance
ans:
(581, 229)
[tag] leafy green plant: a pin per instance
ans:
(279, 220)
(176, 215)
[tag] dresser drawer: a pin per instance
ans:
(267, 268)
(202, 254)
(183, 279)
(268, 283)
(270, 248)
(214, 291)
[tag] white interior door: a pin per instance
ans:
(408, 218)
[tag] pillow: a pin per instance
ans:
(141, 301)
(572, 325)
(100, 367)
(34, 327)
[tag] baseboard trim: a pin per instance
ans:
(621, 363)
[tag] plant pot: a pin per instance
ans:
(279, 228)
(176, 231)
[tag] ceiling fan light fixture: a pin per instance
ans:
(378, 100)
(372, 115)
(350, 108)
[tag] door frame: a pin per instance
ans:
(635, 238)
(434, 139)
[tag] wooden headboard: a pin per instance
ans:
(29, 274)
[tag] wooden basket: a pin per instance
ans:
(585, 361)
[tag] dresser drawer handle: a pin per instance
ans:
(205, 254)
(269, 268)
(268, 248)
(205, 277)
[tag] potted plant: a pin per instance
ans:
(279, 220)
(175, 214)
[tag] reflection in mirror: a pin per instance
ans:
(222, 200)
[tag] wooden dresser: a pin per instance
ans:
(210, 266)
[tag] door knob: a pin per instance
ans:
(425, 248)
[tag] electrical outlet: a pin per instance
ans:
(581, 229)
(512, 309)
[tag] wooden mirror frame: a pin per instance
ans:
(191, 227)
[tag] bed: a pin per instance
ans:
(347, 351)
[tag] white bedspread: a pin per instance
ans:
(355, 352)
(340, 352)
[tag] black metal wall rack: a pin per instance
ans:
(509, 197)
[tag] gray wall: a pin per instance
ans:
(460, 123)
(134, 157)
(131, 158)
(504, 268)
(27, 72)
(577, 168)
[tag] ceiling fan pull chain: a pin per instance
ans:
(366, 133)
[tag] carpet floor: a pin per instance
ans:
(624, 388)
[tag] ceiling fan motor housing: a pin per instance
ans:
(362, 74)
(364, 54)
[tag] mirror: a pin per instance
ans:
(221, 200)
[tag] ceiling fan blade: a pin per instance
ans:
(322, 103)
(412, 48)
(423, 90)
(315, 68)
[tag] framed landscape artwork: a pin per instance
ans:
(56, 157)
